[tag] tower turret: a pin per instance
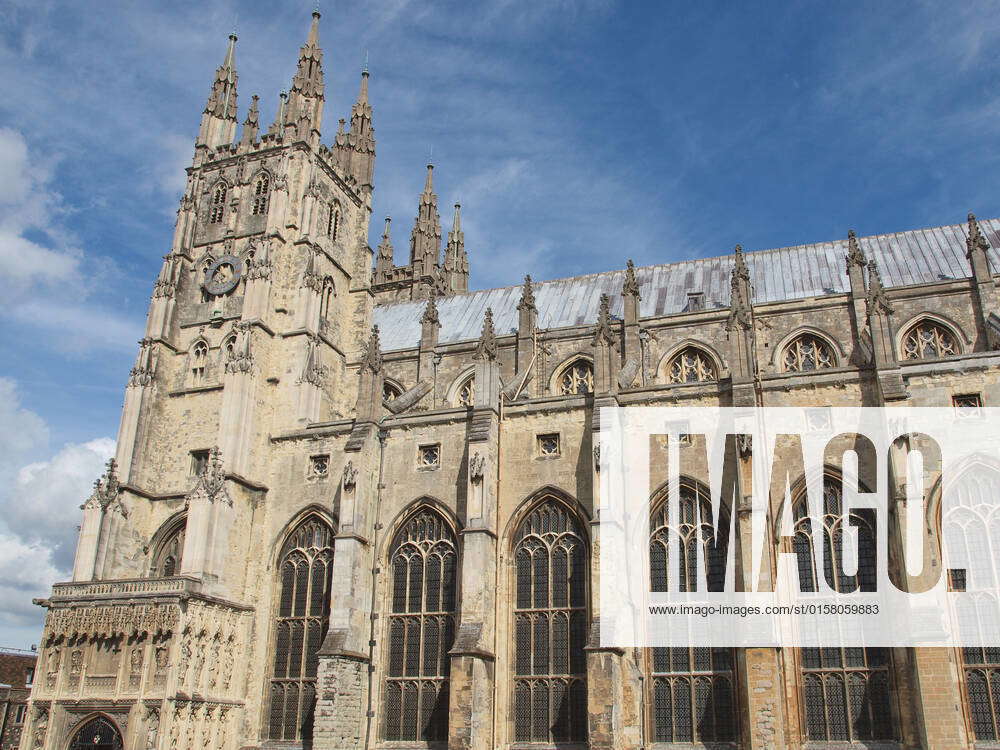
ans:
(456, 262)
(218, 121)
(425, 239)
(356, 148)
(304, 113)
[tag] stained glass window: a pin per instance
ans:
(421, 629)
(846, 690)
(550, 627)
(303, 603)
(691, 689)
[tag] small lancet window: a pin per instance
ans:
(327, 299)
(333, 221)
(199, 357)
(218, 209)
(928, 340)
(261, 191)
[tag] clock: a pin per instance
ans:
(223, 275)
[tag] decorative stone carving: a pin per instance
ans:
(603, 332)
(106, 492)
(350, 476)
(313, 371)
(211, 484)
(477, 467)
(487, 347)
(223, 275)
(145, 365)
(597, 457)
(240, 360)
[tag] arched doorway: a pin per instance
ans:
(97, 734)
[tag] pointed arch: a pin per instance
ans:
(806, 349)
(550, 568)
(422, 558)
(574, 377)
(328, 292)
(217, 207)
(681, 363)
(261, 193)
(301, 617)
(167, 547)
(97, 732)
(929, 335)
(198, 361)
(462, 391)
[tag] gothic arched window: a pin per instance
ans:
(421, 629)
(167, 557)
(691, 689)
(199, 359)
(928, 340)
(577, 378)
(691, 365)
(217, 210)
(333, 221)
(806, 353)
(302, 618)
(326, 299)
(467, 393)
(846, 690)
(550, 626)
(261, 191)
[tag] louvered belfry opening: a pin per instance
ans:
(846, 691)
(691, 689)
(421, 629)
(302, 619)
(550, 625)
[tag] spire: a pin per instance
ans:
(878, 300)
(603, 332)
(251, 126)
(740, 294)
(631, 285)
(855, 255)
(425, 239)
(356, 151)
(278, 126)
(384, 261)
(975, 241)
(218, 121)
(527, 296)
(305, 100)
(487, 347)
(456, 262)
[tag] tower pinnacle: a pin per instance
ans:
(456, 262)
(425, 239)
(304, 114)
(356, 149)
(218, 121)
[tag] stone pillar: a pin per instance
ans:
(137, 393)
(86, 546)
(473, 654)
(236, 417)
(985, 290)
(209, 519)
(614, 706)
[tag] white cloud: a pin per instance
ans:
(39, 511)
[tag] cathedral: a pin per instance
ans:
(353, 504)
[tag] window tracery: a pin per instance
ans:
(928, 340)
(846, 690)
(302, 619)
(550, 626)
(217, 210)
(807, 353)
(577, 378)
(691, 688)
(421, 629)
(261, 193)
(691, 365)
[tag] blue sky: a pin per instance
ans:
(575, 134)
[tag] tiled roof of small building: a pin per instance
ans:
(918, 256)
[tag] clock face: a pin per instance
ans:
(223, 275)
